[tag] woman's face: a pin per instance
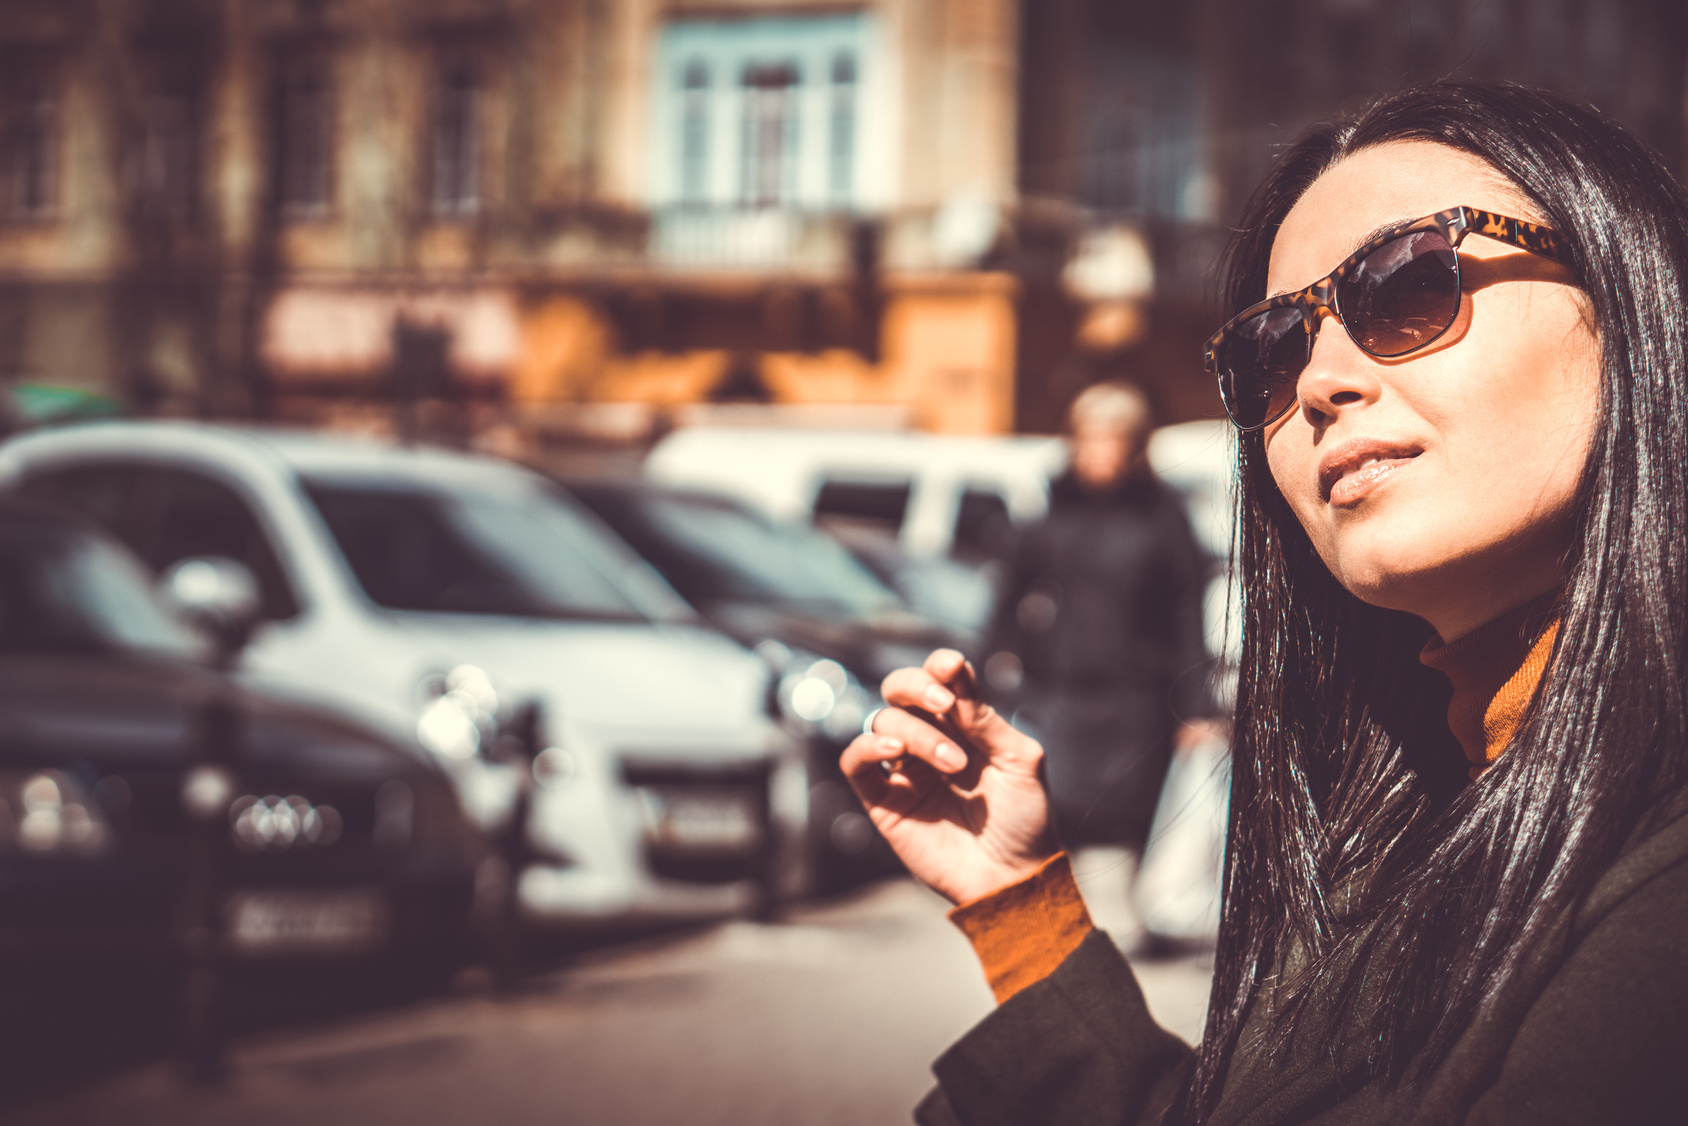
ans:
(1440, 482)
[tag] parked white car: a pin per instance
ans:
(425, 590)
(941, 498)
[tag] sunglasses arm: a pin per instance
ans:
(1532, 237)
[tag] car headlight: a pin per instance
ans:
(460, 713)
(817, 693)
(49, 813)
(207, 790)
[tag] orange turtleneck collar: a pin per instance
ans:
(1494, 671)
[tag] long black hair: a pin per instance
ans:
(1356, 847)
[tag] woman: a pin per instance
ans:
(1462, 530)
(1097, 639)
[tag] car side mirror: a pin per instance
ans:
(218, 596)
(520, 736)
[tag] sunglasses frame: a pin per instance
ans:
(1453, 223)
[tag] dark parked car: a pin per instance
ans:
(827, 624)
(150, 804)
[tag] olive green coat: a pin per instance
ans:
(1593, 1029)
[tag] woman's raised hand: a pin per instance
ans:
(954, 789)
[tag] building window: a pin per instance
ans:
(458, 108)
(769, 132)
(841, 147)
(29, 156)
(763, 113)
(166, 156)
(1142, 130)
(307, 139)
(694, 132)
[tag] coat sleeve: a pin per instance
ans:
(1607, 1038)
(1077, 1047)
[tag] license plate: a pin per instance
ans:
(701, 820)
(305, 922)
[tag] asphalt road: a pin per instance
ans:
(828, 1019)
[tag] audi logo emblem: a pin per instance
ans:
(276, 824)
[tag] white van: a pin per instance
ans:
(931, 492)
(924, 490)
(940, 498)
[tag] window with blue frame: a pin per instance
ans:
(770, 133)
(694, 132)
(841, 129)
(760, 113)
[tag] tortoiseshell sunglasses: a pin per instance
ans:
(1394, 295)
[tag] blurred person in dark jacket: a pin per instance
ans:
(1097, 644)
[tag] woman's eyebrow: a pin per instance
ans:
(1373, 233)
(1355, 245)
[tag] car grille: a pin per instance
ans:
(268, 815)
(703, 823)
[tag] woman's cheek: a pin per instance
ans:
(1291, 463)
(1277, 448)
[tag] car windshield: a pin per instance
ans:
(524, 554)
(64, 592)
(712, 551)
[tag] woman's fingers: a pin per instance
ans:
(950, 668)
(944, 686)
(955, 673)
(869, 764)
(943, 680)
(921, 739)
(917, 688)
(898, 742)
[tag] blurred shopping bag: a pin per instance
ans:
(1176, 895)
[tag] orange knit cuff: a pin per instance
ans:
(1023, 931)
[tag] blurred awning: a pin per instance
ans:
(37, 404)
(317, 333)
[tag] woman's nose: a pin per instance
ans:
(1338, 375)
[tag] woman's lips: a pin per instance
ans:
(1354, 485)
(1352, 470)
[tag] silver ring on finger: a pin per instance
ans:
(867, 724)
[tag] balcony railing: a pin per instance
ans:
(751, 240)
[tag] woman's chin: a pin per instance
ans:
(1386, 584)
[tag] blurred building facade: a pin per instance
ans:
(567, 217)
(582, 208)
(1161, 118)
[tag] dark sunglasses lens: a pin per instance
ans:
(1402, 295)
(1259, 362)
